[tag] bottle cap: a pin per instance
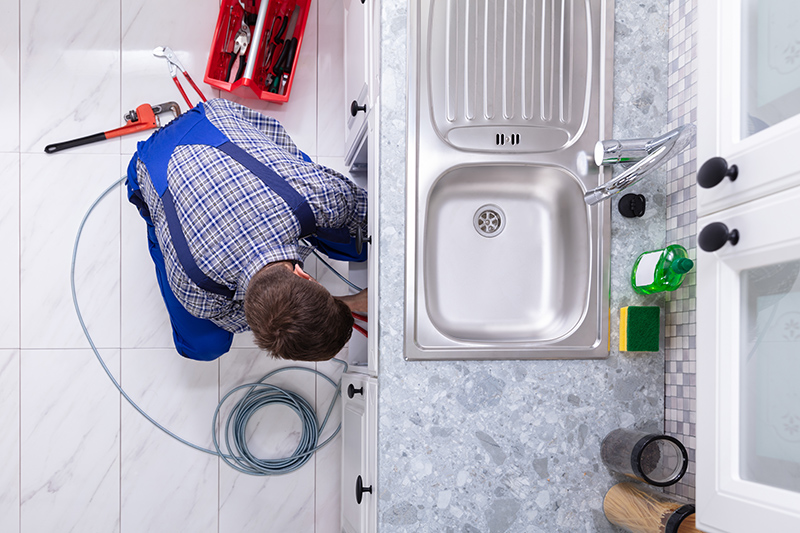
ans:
(682, 265)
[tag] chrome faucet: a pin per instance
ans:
(639, 156)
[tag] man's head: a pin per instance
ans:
(293, 316)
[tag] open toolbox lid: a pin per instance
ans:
(271, 53)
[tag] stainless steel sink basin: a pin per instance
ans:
(504, 259)
(507, 253)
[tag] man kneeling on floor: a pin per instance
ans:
(227, 196)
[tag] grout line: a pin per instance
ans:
(19, 265)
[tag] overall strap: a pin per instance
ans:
(155, 153)
(185, 256)
(277, 184)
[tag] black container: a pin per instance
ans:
(659, 460)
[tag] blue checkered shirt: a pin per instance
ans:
(234, 224)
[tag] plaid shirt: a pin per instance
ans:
(234, 224)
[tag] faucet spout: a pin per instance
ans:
(639, 155)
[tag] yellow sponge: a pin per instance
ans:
(639, 329)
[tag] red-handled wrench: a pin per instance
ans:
(145, 117)
(174, 66)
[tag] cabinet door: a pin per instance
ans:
(748, 97)
(359, 454)
(354, 429)
(357, 50)
(748, 371)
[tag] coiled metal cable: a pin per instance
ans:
(259, 395)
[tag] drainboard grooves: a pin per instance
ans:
(512, 64)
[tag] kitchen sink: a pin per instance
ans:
(507, 253)
(504, 258)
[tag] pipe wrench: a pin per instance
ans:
(144, 117)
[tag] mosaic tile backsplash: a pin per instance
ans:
(680, 355)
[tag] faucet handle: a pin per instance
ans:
(714, 171)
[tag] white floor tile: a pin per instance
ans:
(9, 243)
(9, 441)
(331, 105)
(56, 192)
(69, 462)
(70, 72)
(328, 460)
(167, 486)
(9, 75)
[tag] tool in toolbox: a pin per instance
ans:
(239, 49)
(274, 40)
(144, 117)
(174, 65)
(284, 63)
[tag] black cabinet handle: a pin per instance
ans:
(352, 391)
(715, 235)
(361, 239)
(714, 171)
(361, 489)
(355, 108)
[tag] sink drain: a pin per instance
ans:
(489, 220)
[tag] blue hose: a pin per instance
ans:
(259, 394)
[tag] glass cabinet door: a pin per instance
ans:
(748, 106)
(770, 375)
(770, 55)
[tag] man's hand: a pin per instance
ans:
(356, 302)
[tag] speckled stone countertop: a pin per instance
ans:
(514, 446)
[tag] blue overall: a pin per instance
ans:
(194, 337)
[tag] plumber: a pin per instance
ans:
(227, 196)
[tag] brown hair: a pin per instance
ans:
(295, 318)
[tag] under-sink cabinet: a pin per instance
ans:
(360, 385)
(359, 453)
(748, 269)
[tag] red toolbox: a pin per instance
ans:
(273, 30)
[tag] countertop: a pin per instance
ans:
(514, 446)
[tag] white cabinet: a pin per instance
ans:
(360, 53)
(748, 294)
(749, 97)
(359, 453)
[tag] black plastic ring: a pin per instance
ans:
(636, 459)
(678, 517)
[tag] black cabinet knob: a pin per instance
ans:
(361, 239)
(355, 108)
(715, 235)
(361, 489)
(352, 391)
(714, 171)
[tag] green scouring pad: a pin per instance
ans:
(639, 329)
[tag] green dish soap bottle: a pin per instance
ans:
(661, 270)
